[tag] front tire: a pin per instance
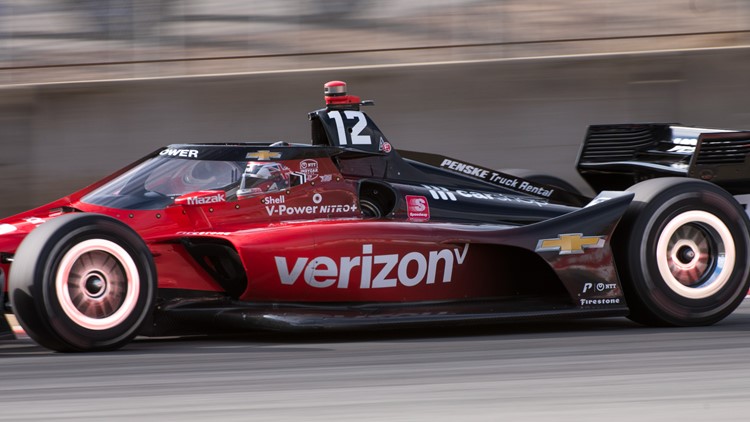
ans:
(683, 250)
(82, 282)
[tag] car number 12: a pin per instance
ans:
(356, 131)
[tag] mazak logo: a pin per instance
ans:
(417, 208)
(186, 153)
(440, 193)
(202, 200)
(571, 243)
(375, 271)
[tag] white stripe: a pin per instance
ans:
(380, 66)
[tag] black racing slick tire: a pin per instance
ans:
(683, 252)
(82, 282)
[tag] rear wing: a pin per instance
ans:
(618, 156)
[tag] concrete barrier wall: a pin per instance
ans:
(515, 113)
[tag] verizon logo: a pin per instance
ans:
(439, 192)
(375, 271)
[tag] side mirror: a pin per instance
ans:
(201, 197)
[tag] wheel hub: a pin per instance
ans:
(95, 285)
(686, 254)
(695, 254)
(690, 255)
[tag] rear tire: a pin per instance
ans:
(682, 250)
(82, 282)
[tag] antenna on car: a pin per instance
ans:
(336, 97)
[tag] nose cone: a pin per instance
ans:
(12, 231)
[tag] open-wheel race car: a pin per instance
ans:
(350, 233)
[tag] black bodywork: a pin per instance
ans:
(620, 155)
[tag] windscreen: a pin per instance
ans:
(155, 183)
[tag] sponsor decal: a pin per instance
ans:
(326, 178)
(440, 193)
(317, 198)
(606, 301)
(496, 178)
(598, 200)
(309, 168)
(7, 228)
(600, 287)
(263, 155)
(570, 243)
(203, 233)
(203, 200)
(34, 220)
(185, 153)
(685, 141)
(385, 146)
(337, 209)
(465, 168)
(284, 210)
(683, 145)
(444, 194)
(274, 200)
(417, 208)
(682, 149)
(376, 271)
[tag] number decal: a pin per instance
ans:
(361, 124)
(336, 116)
(356, 131)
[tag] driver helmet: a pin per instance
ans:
(260, 177)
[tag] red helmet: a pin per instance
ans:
(263, 177)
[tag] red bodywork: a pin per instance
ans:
(299, 245)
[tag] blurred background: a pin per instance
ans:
(87, 86)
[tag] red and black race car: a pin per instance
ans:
(350, 233)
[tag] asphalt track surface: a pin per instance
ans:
(584, 370)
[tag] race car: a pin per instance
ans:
(349, 233)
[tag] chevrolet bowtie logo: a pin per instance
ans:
(263, 155)
(571, 243)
